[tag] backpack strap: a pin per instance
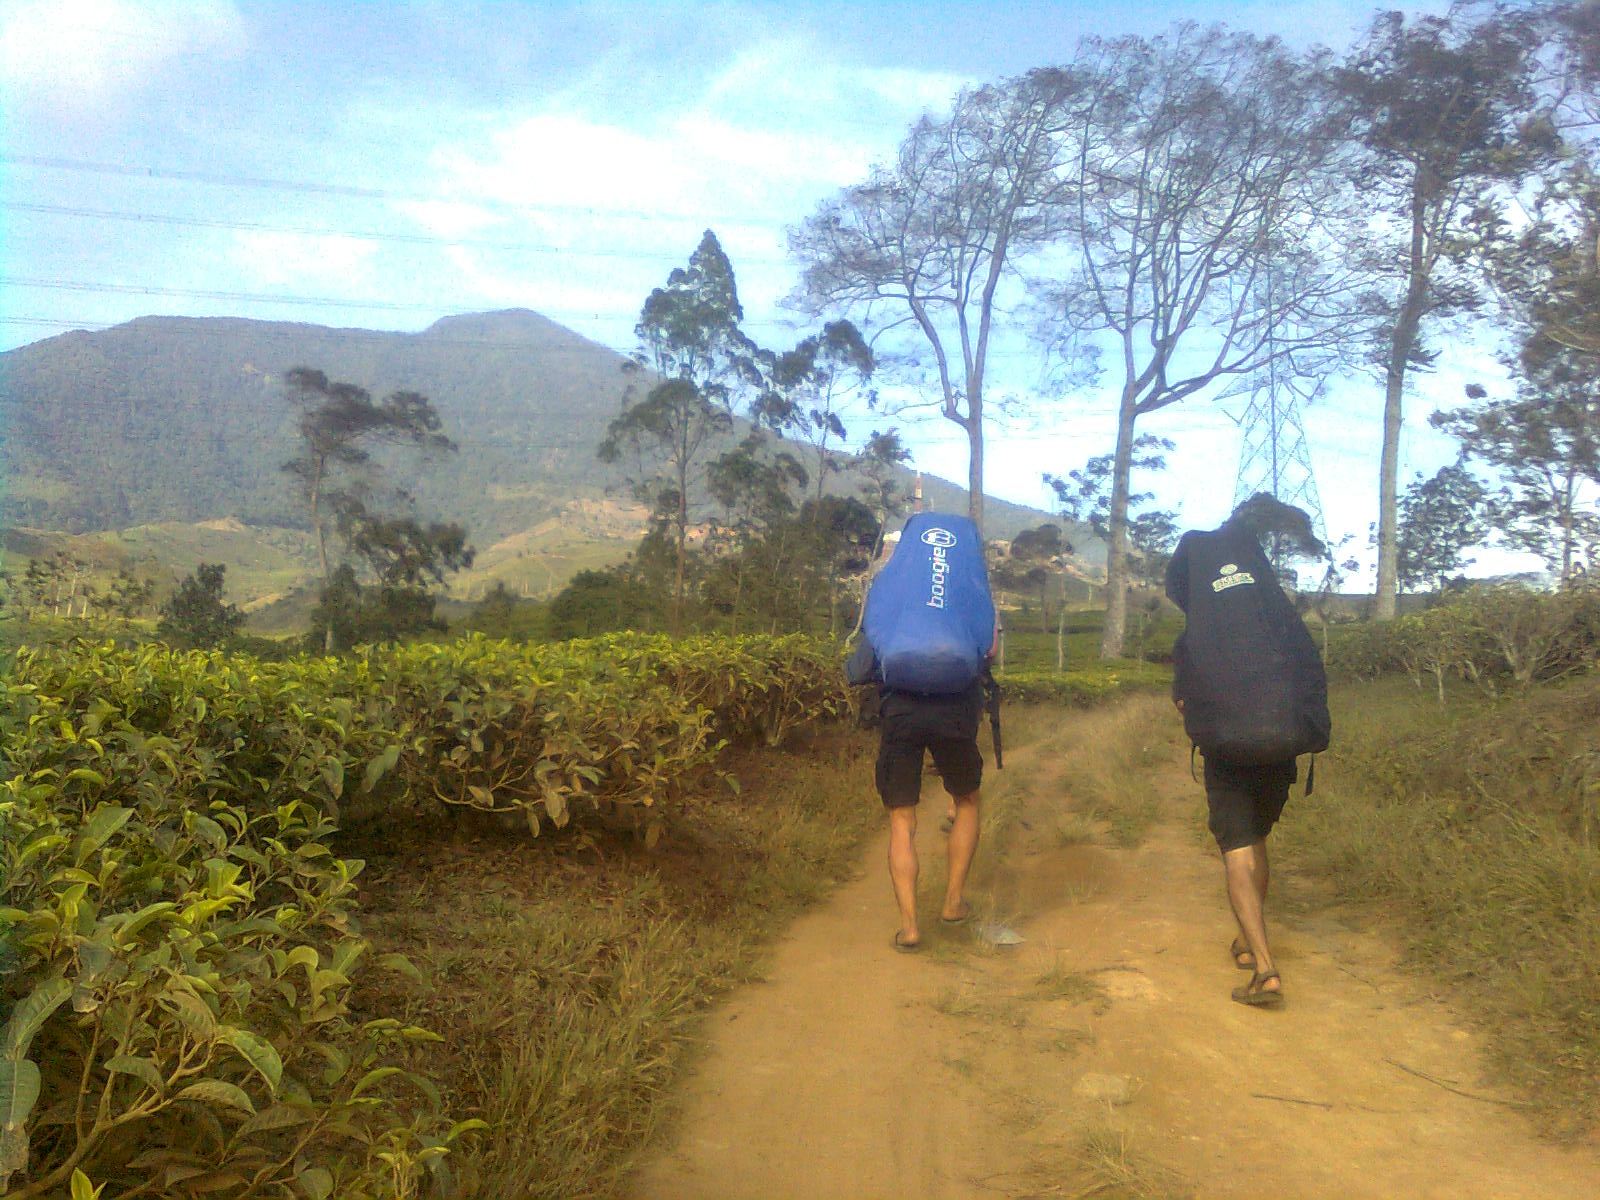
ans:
(1311, 775)
(991, 695)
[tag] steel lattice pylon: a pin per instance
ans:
(1274, 456)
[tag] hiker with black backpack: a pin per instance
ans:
(929, 631)
(1253, 693)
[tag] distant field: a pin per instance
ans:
(272, 571)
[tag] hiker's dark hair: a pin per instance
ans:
(1264, 515)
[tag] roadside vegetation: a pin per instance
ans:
(431, 919)
(1461, 800)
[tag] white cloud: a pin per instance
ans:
(295, 263)
(83, 53)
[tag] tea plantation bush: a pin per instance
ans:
(178, 940)
(1494, 637)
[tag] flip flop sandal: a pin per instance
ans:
(966, 915)
(1241, 954)
(905, 947)
(1255, 995)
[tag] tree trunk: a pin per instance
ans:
(1567, 536)
(1117, 537)
(1061, 638)
(974, 426)
(1401, 344)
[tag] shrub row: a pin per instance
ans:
(178, 943)
(1491, 636)
(1081, 687)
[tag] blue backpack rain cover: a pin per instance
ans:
(930, 618)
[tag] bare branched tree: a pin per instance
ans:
(1440, 104)
(1209, 218)
(926, 241)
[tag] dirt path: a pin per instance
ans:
(1102, 1053)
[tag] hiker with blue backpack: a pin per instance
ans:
(929, 631)
(1253, 693)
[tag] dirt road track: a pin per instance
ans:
(964, 1071)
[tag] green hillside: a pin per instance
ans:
(167, 435)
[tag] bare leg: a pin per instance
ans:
(963, 845)
(903, 869)
(1260, 874)
(1246, 870)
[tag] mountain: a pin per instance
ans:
(177, 419)
(170, 421)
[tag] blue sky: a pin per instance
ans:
(382, 165)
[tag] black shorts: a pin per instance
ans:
(946, 727)
(1246, 800)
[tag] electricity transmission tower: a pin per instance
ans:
(1274, 457)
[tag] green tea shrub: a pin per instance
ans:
(1492, 636)
(178, 970)
(1082, 687)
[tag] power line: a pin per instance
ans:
(369, 235)
(348, 191)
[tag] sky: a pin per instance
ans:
(380, 165)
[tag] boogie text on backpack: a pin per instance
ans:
(1249, 676)
(930, 619)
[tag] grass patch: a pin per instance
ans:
(1061, 982)
(1114, 1169)
(568, 981)
(1473, 826)
(962, 1001)
(1073, 829)
(1106, 760)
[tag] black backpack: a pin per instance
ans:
(1251, 680)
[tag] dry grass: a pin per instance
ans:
(568, 982)
(1105, 758)
(1062, 982)
(1467, 825)
(1115, 1170)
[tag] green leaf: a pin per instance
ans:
(107, 819)
(256, 1051)
(216, 1091)
(142, 1069)
(402, 964)
(333, 775)
(213, 833)
(376, 1075)
(19, 1092)
(192, 1012)
(82, 1189)
(31, 1015)
(143, 917)
(277, 1116)
(380, 766)
(316, 1182)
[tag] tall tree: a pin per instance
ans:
(1205, 203)
(752, 484)
(1545, 445)
(881, 458)
(809, 387)
(692, 359)
(1441, 518)
(340, 425)
(196, 617)
(1438, 103)
(1035, 551)
(926, 241)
